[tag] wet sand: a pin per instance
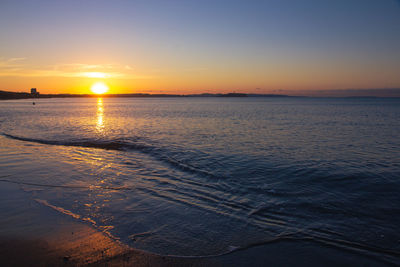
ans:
(35, 235)
(84, 246)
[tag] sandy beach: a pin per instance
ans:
(35, 235)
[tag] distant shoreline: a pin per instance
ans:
(5, 95)
(392, 93)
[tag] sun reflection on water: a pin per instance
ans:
(100, 115)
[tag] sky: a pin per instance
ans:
(193, 46)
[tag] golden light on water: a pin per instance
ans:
(100, 115)
(99, 88)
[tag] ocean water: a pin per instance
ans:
(204, 176)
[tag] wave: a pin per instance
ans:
(121, 145)
(383, 255)
(66, 186)
(261, 215)
(295, 235)
(59, 209)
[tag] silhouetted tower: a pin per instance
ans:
(34, 92)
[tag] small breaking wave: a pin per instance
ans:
(103, 229)
(121, 145)
(59, 209)
(66, 186)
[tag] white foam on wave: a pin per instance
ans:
(59, 209)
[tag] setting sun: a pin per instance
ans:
(99, 88)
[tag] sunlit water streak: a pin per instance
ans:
(199, 176)
(100, 115)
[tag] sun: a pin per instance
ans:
(99, 88)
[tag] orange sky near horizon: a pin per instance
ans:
(77, 78)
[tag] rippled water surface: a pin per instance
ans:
(202, 176)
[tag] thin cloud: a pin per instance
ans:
(11, 62)
(16, 68)
(14, 59)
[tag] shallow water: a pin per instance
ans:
(203, 176)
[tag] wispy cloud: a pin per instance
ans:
(14, 59)
(18, 67)
(11, 62)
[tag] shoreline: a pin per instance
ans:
(36, 235)
(5, 95)
(343, 93)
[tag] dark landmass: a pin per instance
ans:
(345, 93)
(270, 95)
(14, 95)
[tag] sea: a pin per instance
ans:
(201, 176)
